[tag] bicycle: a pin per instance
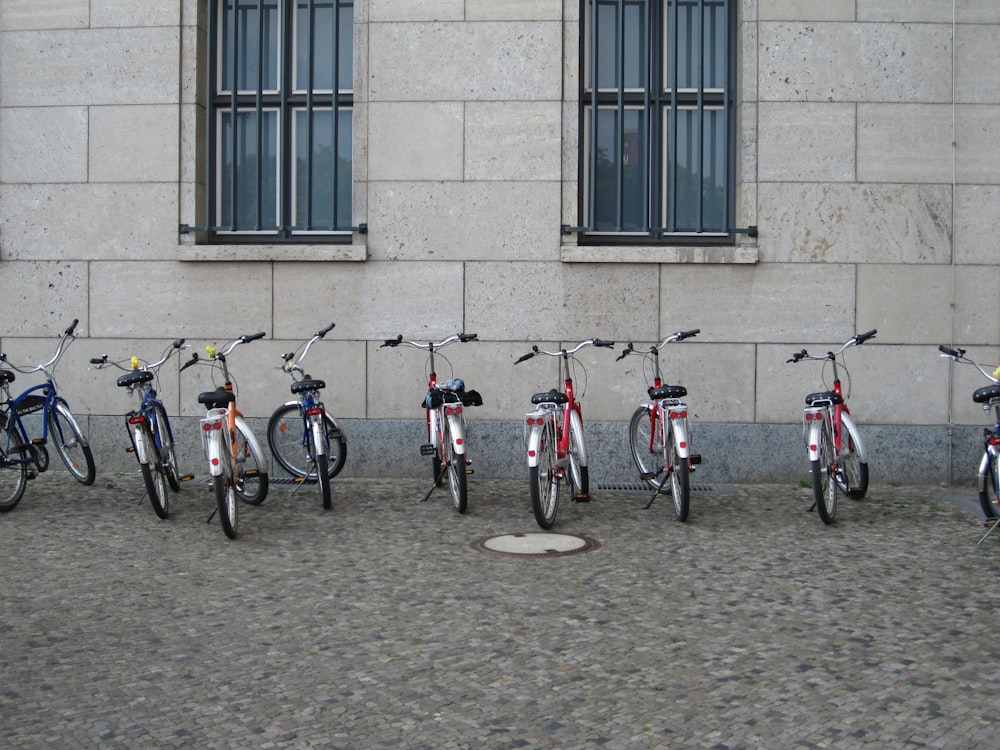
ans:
(235, 460)
(836, 452)
(152, 439)
(554, 439)
(659, 437)
(68, 439)
(988, 474)
(16, 456)
(444, 406)
(304, 439)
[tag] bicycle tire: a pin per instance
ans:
(225, 501)
(680, 480)
(13, 471)
(323, 480)
(70, 444)
(250, 471)
(824, 486)
(289, 446)
(648, 454)
(542, 479)
(164, 440)
(853, 475)
(153, 475)
(579, 474)
(458, 480)
(989, 480)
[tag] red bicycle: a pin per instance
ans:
(557, 452)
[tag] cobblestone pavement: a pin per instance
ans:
(379, 624)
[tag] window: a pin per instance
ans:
(657, 121)
(279, 120)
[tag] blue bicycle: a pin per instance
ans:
(57, 421)
(149, 428)
(303, 437)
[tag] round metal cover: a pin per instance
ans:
(536, 544)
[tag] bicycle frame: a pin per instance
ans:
(831, 409)
(566, 417)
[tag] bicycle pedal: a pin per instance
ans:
(695, 459)
(469, 471)
(989, 523)
(38, 441)
(30, 474)
(581, 498)
(130, 450)
(647, 476)
(251, 473)
(427, 450)
(186, 478)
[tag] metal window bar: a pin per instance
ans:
(259, 105)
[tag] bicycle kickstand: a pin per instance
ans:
(656, 494)
(441, 471)
(992, 526)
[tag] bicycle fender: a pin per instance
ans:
(534, 442)
(216, 442)
(255, 448)
(984, 470)
(576, 428)
(848, 422)
(813, 437)
(140, 444)
(681, 441)
(63, 408)
(318, 433)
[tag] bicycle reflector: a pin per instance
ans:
(136, 419)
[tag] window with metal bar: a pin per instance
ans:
(279, 120)
(657, 107)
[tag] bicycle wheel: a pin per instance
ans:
(251, 467)
(165, 442)
(543, 480)
(225, 500)
(290, 445)
(13, 470)
(647, 450)
(852, 477)
(153, 474)
(989, 480)
(70, 444)
(824, 488)
(579, 474)
(323, 480)
(680, 480)
(455, 463)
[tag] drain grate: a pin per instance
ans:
(643, 487)
(536, 544)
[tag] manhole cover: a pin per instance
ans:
(537, 544)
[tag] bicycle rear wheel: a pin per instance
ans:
(13, 470)
(680, 480)
(824, 486)
(165, 441)
(647, 449)
(543, 481)
(70, 444)
(225, 500)
(291, 446)
(251, 467)
(455, 466)
(153, 475)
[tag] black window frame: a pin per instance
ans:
(288, 103)
(658, 102)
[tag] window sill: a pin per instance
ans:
(273, 252)
(658, 254)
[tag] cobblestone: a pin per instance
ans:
(378, 624)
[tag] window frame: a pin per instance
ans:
(661, 101)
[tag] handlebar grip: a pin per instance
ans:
(605, 344)
(463, 337)
(393, 342)
(689, 334)
(326, 330)
(798, 356)
(863, 337)
(951, 352)
(253, 337)
(178, 343)
(69, 331)
(524, 357)
(98, 360)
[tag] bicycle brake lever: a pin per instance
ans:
(192, 361)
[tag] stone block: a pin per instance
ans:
(183, 300)
(965, 411)
(129, 13)
(42, 298)
(27, 15)
(796, 10)
(513, 141)
(508, 61)
(977, 214)
(905, 143)
(976, 83)
(977, 134)
(513, 10)
(374, 300)
(820, 62)
(806, 141)
(91, 67)
(907, 304)
(133, 143)
(392, 11)
(43, 144)
(89, 221)
(928, 11)
(855, 223)
(553, 301)
(774, 302)
(415, 140)
(976, 304)
(464, 220)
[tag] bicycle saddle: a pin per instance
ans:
(668, 391)
(824, 397)
(307, 385)
(550, 397)
(986, 394)
(134, 378)
(216, 399)
(6, 376)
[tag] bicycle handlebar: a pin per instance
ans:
(176, 346)
(67, 334)
(959, 356)
(671, 338)
(565, 352)
(289, 362)
(430, 345)
(858, 338)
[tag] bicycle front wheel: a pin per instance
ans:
(647, 447)
(989, 480)
(543, 480)
(165, 442)
(824, 486)
(455, 466)
(70, 444)
(853, 475)
(291, 447)
(153, 475)
(680, 480)
(576, 462)
(251, 467)
(13, 470)
(225, 500)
